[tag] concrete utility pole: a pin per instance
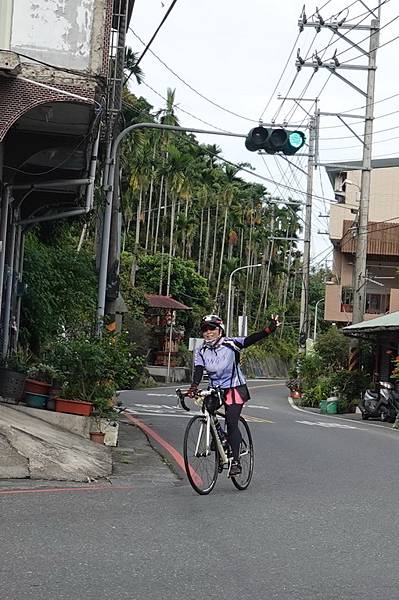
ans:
(304, 312)
(313, 149)
(359, 279)
(359, 292)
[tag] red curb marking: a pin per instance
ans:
(71, 489)
(177, 457)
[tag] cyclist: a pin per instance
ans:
(220, 357)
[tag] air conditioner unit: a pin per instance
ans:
(9, 63)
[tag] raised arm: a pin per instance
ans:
(253, 338)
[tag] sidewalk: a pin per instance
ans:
(136, 459)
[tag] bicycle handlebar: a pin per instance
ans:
(181, 397)
(201, 393)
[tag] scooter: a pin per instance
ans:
(382, 404)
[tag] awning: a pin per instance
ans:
(389, 322)
(167, 302)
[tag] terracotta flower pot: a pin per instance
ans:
(32, 386)
(97, 436)
(73, 407)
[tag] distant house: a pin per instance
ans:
(382, 283)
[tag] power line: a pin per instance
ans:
(185, 111)
(281, 76)
(193, 88)
(155, 33)
(364, 40)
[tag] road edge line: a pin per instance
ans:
(309, 412)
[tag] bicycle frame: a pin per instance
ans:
(210, 424)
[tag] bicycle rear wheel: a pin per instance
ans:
(200, 461)
(243, 480)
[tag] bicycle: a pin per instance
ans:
(206, 453)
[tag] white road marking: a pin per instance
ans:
(329, 425)
(163, 395)
(256, 406)
(293, 405)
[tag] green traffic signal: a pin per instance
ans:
(274, 140)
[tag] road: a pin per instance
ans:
(317, 523)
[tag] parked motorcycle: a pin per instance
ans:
(382, 404)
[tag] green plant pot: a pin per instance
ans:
(332, 407)
(35, 400)
(323, 406)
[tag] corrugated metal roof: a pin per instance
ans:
(168, 302)
(333, 169)
(389, 322)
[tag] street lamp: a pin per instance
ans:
(229, 293)
(315, 318)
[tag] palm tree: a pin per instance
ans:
(131, 66)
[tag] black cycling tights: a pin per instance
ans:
(233, 412)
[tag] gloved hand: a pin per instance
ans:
(274, 323)
(192, 392)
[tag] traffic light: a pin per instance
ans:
(275, 140)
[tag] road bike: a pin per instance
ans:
(206, 450)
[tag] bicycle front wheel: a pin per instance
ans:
(243, 480)
(200, 461)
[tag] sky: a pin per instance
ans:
(237, 54)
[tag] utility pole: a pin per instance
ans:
(359, 278)
(359, 292)
(304, 311)
(312, 155)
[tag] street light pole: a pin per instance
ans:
(315, 318)
(229, 293)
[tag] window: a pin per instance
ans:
(347, 300)
(377, 304)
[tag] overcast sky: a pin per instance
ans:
(234, 52)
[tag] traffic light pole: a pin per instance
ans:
(109, 188)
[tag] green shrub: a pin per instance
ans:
(333, 349)
(92, 369)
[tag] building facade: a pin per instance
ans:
(382, 279)
(61, 67)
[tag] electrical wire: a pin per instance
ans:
(193, 88)
(357, 146)
(346, 137)
(183, 110)
(281, 76)
(364, 40)
(348, 31)
(155, 33)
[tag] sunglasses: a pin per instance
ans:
(209, 328)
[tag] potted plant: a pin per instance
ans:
(294, 386)
(92, 369)
(13, 370)
(104, 414)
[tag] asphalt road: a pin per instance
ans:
(318, 521)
